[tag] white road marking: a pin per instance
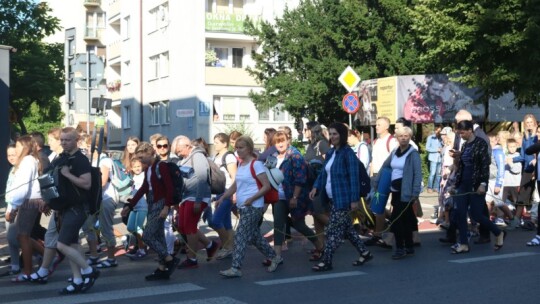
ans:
(220, 300)
(494, 257)
(310, 278)
(102, 296)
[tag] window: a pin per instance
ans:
(154, 113)
(126, 72)
(237, 56)
(222, 6)
(126, 117)
(126, 28)
(229, 109)
(159, 66)
(238, 7)
(159, 17)
(279, 113)
(95, 24)
(264, 115)
(165, 113)
(223, 57)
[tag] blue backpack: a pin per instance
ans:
(121, 180)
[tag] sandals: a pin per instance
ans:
(75, 288)
(499, 240)
(21, 278)
(315, 256)
(89, 279)
(39, 279)
(378, 241)
(322, 267)
(364, 257)
(535, 242)
(107, 264)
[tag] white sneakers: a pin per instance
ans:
(231, 273)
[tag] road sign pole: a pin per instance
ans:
(350, 122)
(88, 91)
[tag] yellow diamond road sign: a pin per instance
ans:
(349, 79)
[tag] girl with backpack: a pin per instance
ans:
(221, 220)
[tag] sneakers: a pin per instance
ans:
(210, 252)
(223, 254)
(231, 273)
(141, 254)
(172, 264)
(499, 222)
(275, 262)
(158, 275)
(188, 264)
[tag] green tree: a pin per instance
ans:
(492, 45)
(305, 51)
(36, 67)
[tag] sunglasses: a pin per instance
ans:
(165, 146)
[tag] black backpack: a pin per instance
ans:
(314, 169)
(177, 179)
(95, 194)
(365, 181)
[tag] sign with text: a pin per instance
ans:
(185, 113)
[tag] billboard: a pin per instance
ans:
(506, 109)
(418, 98)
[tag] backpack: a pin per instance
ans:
(120, 179)
(365, 181)
(314, 169)
(95, 194)
(358, 154)
(216, 178)
(270, 197)
(177, 180)
(224, 159)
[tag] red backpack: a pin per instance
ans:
(272, 195)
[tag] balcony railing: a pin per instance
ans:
(92, 3)
(93, 33)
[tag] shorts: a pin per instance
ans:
(70, 222)
(526, 189)
(320, 206)
(27, 214)
(511, 193)
(187, 220)
(51, 236)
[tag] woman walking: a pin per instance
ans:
(406, 179)
(250, 203)
(339, 183)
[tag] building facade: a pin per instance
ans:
(173, 67)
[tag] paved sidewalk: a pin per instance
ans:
(428, 200)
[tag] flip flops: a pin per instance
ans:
(107, 264)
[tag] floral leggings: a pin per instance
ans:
(340, 225)
(248, 232)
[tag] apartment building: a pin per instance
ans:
(172, 66)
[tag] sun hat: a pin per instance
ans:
(275, 176)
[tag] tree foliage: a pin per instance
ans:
(305, 51)
(492, 45)
(36, 67)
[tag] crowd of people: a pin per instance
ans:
(489, 178)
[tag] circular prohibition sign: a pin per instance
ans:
(350, 103)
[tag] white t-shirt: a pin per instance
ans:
(246, 185)
(328, 166)
(138, 180)
(380, 152)
(281, 192)
(25, 184)
(108, 189)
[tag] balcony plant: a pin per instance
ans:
(210, 58)
(114, 86)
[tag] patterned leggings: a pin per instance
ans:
(340, 225)
(248, 232)
(153, 234)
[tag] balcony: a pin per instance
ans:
(115, 7)
(93, 33)
(114, 50)
(229, 76)
(226, 23)
(92, 3)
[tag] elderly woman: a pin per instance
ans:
(293, 197)
(406, 168)
(472, 176)
(339, 183)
